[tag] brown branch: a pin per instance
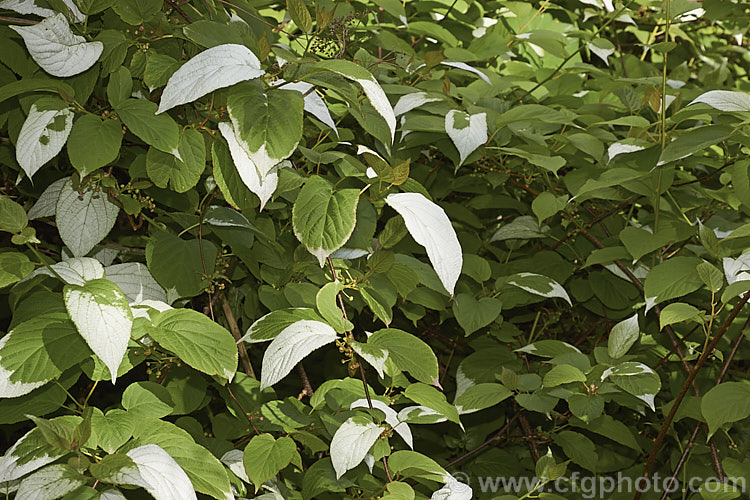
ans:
(307, 389)
(691, 377)
(237, 334)
(495, 437)
(179, 11)
(18, 20)
(529, 436)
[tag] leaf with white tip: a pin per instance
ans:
(214, 68)
(263, 188)
(14, 388)
(46, 204)
(369, 84)
(56, 49)
(453, 490)
(411, 101)
(267, 123)
(43, 133)
(166, 478)
(136, 282)
(233, 459)
(50, 483)
(466, 67)
(430, 227)
(467, 132)
(351, 442)
(83, 220)
(725, 100)
(323, 220)
(102, 315)
(291, 346)
(539, 285)
(374, 355)
(314, 104)
(28, 454)
(618, 148)
(391, 418)
(26, 7)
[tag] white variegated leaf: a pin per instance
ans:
(430, 227)
(391, 418)
(167, 479)
(453, 490)
(539, 285)
(26, 7)
(725, 100)
(75, 13)
(75, 271)
(263, 188)
(16, 464)
(291, 346)
(41, 138)
(373, 354)
(102, 316)
(136, 282)
(235, 461)
(314, 104)
(46, 204)
(112, 494)
(618, 148)
(466, 67)
(13, 389)
(49, 483)
(411, 101)
(467, 132)
(351, 442)
(56, 49)
(214, 68)
(83, 220)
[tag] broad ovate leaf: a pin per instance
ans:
(28, 454)
(13, 388)
(370, 85)
(43, 133)
(291, 346)
(430, 227)
(622, 337)
(166, 478)
(262, 187)
(351, 442)
(102, 315)
(323, 220)
(267, 123)
(467, 132)
(725, 100)
(136, 282)
(214, 68)
(56, 49)
(84, 219)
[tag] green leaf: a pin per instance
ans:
(135, 12)
(563, 374)
(265, 456)
(697, 139)
(37, 351)
(13, 217)
(409, 353)
(546, 205)
(300, 15)
(725, 403)
(710, 276)
(580, 449)
(177, 265)
(146, 399)
(480, 396)
(428, 396)
(677, 312)
(13, 89)
(159, 131)
(326, 302)
(640, 242)
(377, 304)
(113, 429)
(539, 285)
(182, 174)
(194, 338)
(323, 219)
(119, 87)
(622, 337)
(672, 279)
(473, 314)
(93, 143)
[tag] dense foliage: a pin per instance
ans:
(374, 249)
